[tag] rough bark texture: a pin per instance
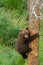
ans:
(33, 56)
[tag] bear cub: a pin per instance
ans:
(23, 41)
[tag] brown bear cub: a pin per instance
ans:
(23, 41)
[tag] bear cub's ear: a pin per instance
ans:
(26, 28)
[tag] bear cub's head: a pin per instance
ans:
(25, 32)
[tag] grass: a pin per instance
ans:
(41, 44)
(8, 55)
(41, 50)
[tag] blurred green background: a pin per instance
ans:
(13, 18)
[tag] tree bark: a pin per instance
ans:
(34, 18)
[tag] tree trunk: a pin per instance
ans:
(34, 18)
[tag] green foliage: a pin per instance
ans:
(2, 3)
(13, 3)
(19, 5)
(8, 32)
(9, 27)
(9, 56)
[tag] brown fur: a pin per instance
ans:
(22, 42)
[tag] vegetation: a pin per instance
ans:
(10, 12)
